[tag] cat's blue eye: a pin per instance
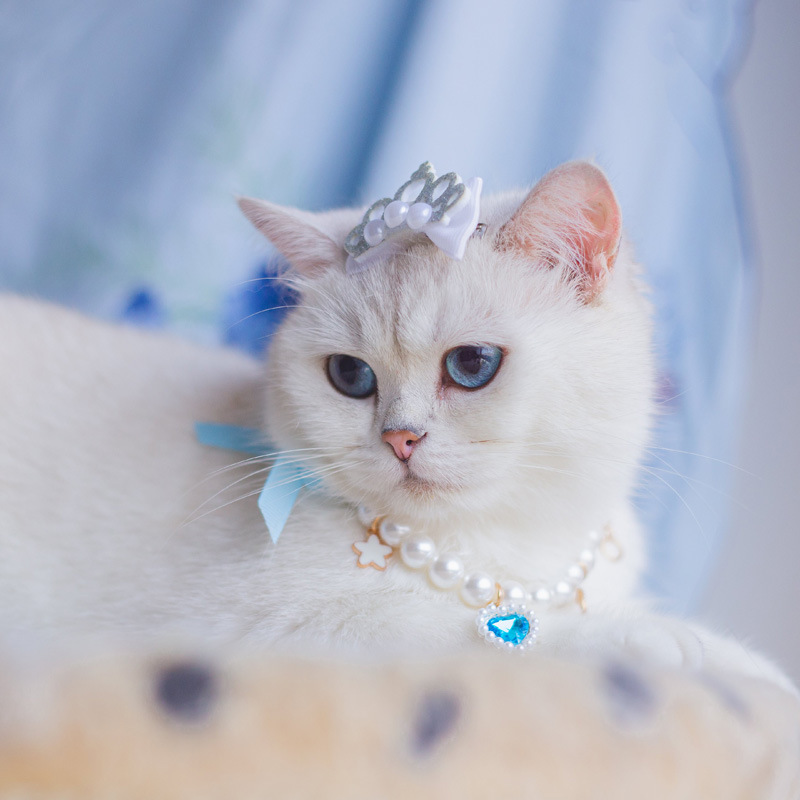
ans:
(351, 376)
(473, 365)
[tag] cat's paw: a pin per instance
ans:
(661, 641)
(650, 639)
(657, 641)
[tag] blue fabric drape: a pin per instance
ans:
(127, 129)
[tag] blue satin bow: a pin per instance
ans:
(285, 479)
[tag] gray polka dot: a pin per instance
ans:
(632, 699)
(436, 719)
(186, 690)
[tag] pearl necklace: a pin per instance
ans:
(506, 617)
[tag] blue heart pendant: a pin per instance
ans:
(510, 627)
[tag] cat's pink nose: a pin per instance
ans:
(402, 442)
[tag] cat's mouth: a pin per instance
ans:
(425, 488)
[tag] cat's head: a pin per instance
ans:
(517, 380)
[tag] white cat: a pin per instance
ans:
(498, 405)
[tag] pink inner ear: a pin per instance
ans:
(570, 216)
(599, 241)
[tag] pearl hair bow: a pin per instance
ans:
(445, 209)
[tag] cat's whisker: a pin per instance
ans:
(650, 448)
(255, 473)
(330, 469)
(325, 472)
(257, 491)
(493, 441)
(246, 281)
(686, 505)
(307, 288)
(249, 476)
(668, 469)
(663, 401)
(706, 457)
(663, 476)
(261, 311)
(275, 454)
(270, 456)
(641, 490)
(222, 470)
(674, 490)
(691, 482)
(224, 505)
(193, 516)
(261, 471)
(260, 279)
(313, 474)
(694, 484)
(556, 470)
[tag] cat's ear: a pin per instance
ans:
(569, 219)
(310, 242)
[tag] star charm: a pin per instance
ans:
(372, 553)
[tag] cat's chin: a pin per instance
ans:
(424, 489)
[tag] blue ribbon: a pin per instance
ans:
(285, 479)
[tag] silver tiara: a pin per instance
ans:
(445, 209)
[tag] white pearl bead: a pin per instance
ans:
(446, 571)
(374, 232)
(418, 215)
(564, 590)
(392, 533)
(576, 574)
(587, 558)
(395, 213)
(365, 515)
(543, 595)
(477, 589)
(417, 552)
(515, 593)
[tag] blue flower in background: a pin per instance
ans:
(253, 309)
(144, 309)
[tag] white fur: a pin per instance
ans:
(109, 514)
